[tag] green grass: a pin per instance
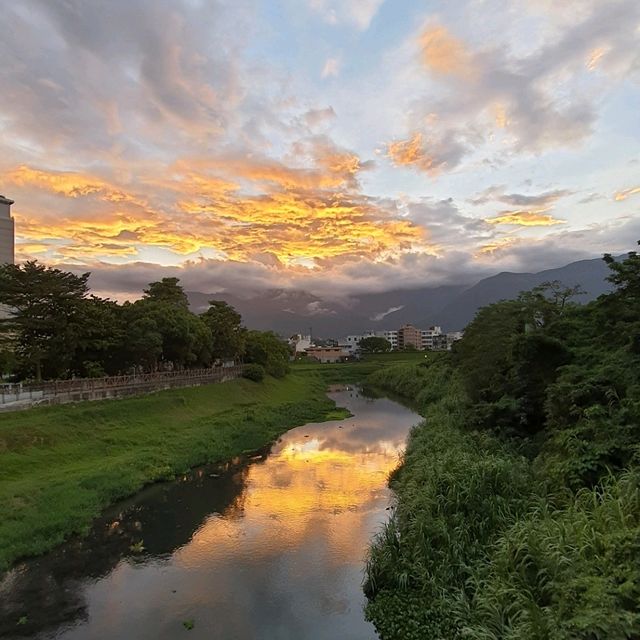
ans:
(60, 466)
(359, 370)
(482, 545)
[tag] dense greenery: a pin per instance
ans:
(59, 466)
(55, 329)
(374, 344)
(518, 499)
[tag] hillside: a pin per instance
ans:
(451, 306)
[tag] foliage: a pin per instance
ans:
(56, 330)
(46, 315)
(374, 344)
(518, 500)
(227, 333)
(253, 372)
(267, 349)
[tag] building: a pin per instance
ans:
(432, 338)
(7, 232)
(409, 336)
(390, 336)
(300, 343)
(327, 354)
(454, 336)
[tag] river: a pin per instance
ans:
(267, 547)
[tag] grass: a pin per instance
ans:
(60, 466)
(358, 370)
(481, 545)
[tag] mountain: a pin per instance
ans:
(589, 274)
(451, 306)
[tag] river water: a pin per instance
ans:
(268, 547)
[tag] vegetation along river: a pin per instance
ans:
(271, 546)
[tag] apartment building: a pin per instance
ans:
(7, 232)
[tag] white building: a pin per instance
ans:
(431, 338)
(390, 335)
(7, 232)
(300, 343)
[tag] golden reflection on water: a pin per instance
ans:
(324, 479)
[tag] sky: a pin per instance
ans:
(335, 146)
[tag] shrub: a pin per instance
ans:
(253, 372)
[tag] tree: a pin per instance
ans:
(267, 349)
(186, 339)
(45, 317)
(168, 291)
(100, 340)
(228, 336)
(373, 344)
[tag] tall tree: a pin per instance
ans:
(45, 315)
(168, 291)
(228, 336)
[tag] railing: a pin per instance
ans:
(16, 396)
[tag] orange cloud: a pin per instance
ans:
(198, 211)
(623, 195)
(443, 53)
(430, 156)
(494, 246)
(411, 153)
(533, 218)
(69, 184)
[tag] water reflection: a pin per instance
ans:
(270, 548)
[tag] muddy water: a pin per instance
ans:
(268, 547)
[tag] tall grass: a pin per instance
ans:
(60, 466)
(482, 546)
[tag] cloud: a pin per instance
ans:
(489, 97)
(443, 53)
(497, 194)
(626, 193)
(331, 68)
(533, 218)
(357, 13)
(316, 117)
(376, 317)
(430, 156)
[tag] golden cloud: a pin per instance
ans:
(411, 152)
(445, 54)
(298, 216)
(494, 247)
(624, 194)
(532, 218)
(69, 184)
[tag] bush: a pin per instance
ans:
(253, 372)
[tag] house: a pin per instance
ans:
(327, 354)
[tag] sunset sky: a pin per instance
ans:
(337, 146)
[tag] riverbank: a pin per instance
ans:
(61, 466)
(485, 542)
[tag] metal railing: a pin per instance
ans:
(82, 389)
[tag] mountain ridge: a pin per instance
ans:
(450, 306)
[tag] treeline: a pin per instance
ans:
(51, 328)
(518, 499)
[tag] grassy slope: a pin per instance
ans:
(60, 466)
(479, 548)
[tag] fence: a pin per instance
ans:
(22, 396)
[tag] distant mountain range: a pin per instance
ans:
(450, 306)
